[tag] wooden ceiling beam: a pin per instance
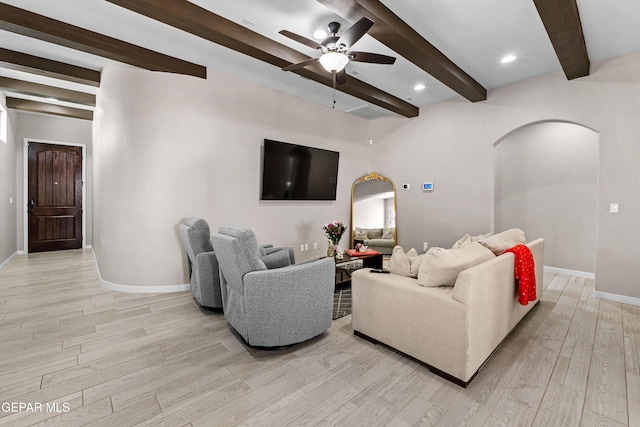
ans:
(29, 88)
(561, 19)
(200, 22)
(48, 68)
(397, 35)
(44, 108)
(30, 24)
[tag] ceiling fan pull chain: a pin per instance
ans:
(334, 90)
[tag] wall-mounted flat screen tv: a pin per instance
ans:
(296, 172)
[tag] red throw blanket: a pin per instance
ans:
(525, 273)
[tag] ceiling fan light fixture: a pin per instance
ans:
(320, 34)
(334, 62)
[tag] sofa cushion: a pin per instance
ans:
(360, 234)
(374, 233)
(440, 267)
(387, 232)
(405, 264)
(500, 242)
(467, 238)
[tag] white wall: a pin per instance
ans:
(169, 147)
(369, 213)
(8, 184)
(53, 129)
(546, 179)
(452, 143)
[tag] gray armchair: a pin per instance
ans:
(204, 276)
(277, 307)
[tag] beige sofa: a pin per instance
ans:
(453, 330)
(379, 239)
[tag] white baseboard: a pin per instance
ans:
(577, 273)
(22, 252)
(8, 260)
(598, 294)
(617, 298)
(134, 289)
(138, 289)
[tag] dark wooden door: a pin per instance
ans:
(55, 197)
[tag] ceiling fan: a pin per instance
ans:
(335, 50)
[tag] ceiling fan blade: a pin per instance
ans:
(373, 58)
(300, 39)
(355, 32)
(341, 77)
(300, 64)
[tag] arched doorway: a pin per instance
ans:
(545, 182)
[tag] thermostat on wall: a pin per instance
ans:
(427, 186)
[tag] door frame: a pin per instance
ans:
(25, 187)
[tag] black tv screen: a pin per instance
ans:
(296, 172)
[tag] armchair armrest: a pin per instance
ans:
(299, 298)
(313, 273)
(205, 280)
(264, 248)
(268, 249)
(207, 265)
(276, 259)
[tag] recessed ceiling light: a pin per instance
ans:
(419, 86)
(320, 34)
(507, 59)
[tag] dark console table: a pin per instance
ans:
(344, 266)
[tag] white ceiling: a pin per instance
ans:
(474, 34)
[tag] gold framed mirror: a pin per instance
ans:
(373, 213)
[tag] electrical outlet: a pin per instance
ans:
(425, 246)
(315, 245)
(302, 248)
(306, 246)
(614, 208)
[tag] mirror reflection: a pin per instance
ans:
(373, 213)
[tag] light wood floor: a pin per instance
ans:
(118, 359)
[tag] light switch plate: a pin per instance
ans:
(614, 208)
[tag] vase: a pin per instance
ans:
(331, 250)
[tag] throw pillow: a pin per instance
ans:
(415, 261)
(440, 267)
(374, 233)
(500, 242)
(387, 233)
(467, 238)
(360, 234)
(405, 264)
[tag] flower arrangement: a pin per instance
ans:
(334, 231)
